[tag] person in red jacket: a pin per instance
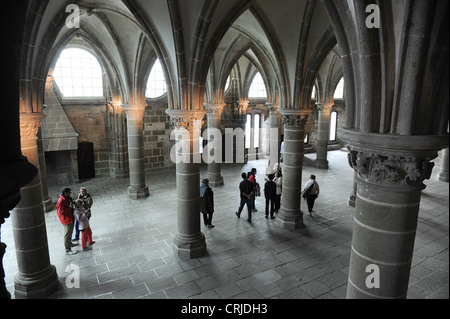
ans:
(65, 214)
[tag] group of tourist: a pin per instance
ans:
(76, 213)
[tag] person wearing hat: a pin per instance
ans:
(310, 193)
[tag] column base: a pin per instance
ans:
(187, 248)
(321, 163)
(291, 221)
(36, 288)
(443, 177)
(352, 200)
(48, 205)
(215, 180)
(134, 193)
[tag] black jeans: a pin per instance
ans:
(207, 218)
(310, 201)
(245, 200)
(270, 202)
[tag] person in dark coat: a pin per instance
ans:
(270, 193)
(246, 190)
(206, 203)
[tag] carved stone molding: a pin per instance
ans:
(294, 117)
(134, 111)
(324, 107)
(30, 124)
(214, 110)
(185, 118)
(395, 170)
(273, 108)
(392, 160)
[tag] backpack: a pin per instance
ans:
(308, 191)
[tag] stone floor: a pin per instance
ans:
(133, 257)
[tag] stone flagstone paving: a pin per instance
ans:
(133, 258)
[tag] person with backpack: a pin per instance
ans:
(310, 193)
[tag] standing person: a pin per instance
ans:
(246, 191)
(310, 193)
(206, 202)
(82, 215)
(270, 193)
(87, 203)
(278, 182)
(252, 178)
(65, 214)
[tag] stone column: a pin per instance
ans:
(119, 165)
(274, 136)
(214, 122)
(46, 200)
(36, 278)
(135, 115)
(443, 172)
(352, 197)
(294, 121)
(390, 174)
(189, 242)
(323, 134)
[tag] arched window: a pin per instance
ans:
(156, 84)
(78, 74)
(313, 94)
(253, 131)
(339, 92)
(333, 126)
(227, 85)
(257, 88)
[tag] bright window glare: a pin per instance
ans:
(339, 92)
(156, 84)
(78, 74)
(227, 85)
(257, 88)
(333, 126)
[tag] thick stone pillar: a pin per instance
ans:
(443, 172)
(214, 122)
(189, 242)
(390, 174)
(274, 137)
(36, 278)
(294, 121)
(135, 115)
(119, 149)
(46, 200)
(323, 134)
(352, 197)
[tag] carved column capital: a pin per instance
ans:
(134, 111)
(243, 106)
(214, 110)
(324, 107)
(185, 118)
(392, 161)
(390, 169)
(273, 108)
(30, 124)
(294, 117)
